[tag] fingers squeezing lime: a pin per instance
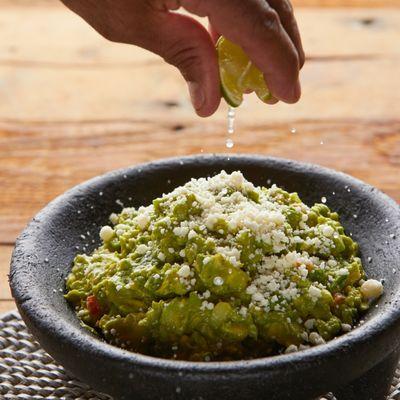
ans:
(238, 74)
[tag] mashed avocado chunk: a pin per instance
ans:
(219, 269)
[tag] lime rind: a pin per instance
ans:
(238, 75)
(233, 99)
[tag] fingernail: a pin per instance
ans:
(196, 94)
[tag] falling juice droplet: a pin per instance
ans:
(229, 143)
(323, 199)
(293, 130)
(231, 120)
(321, 142)
(231, 127)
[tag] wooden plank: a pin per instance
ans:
(40, 161)
(59, 39)
(342, 78)
(5, 256)
(337, 89)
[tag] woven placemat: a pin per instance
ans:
(28, 372)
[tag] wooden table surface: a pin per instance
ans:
(74, 106)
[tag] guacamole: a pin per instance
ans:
(220, 269)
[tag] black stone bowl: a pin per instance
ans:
(358, 365)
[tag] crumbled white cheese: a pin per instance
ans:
(342, 272)
(184, 271)
(192, 234)
(142, 249)
(243, 311)
(314, 292)
(372, 289)
(114, 218)
(291, 349)
(316, 339)
(206, 260)
(346, 327)
(309, 324)
(237, 179)
(106, 233)
(327, 230)
(181, 231)
(142, 220)
(205, 305)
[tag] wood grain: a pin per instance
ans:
(43, 160)
(334, 90)
(40, 78)
(60, 39)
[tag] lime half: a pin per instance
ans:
(238, 74)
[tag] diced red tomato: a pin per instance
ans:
(94, 307)
(338, 298)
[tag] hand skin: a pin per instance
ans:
(265, 29)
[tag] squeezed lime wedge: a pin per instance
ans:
(238, 74)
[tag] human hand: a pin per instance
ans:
(265, 29)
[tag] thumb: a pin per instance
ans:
(186, 44)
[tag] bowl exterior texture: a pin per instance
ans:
(45, 250)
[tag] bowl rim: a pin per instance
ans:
(371, 329)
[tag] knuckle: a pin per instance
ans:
(272, 20)
(283, 7)
(287, 9)
(267, 23)
(183, 56)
